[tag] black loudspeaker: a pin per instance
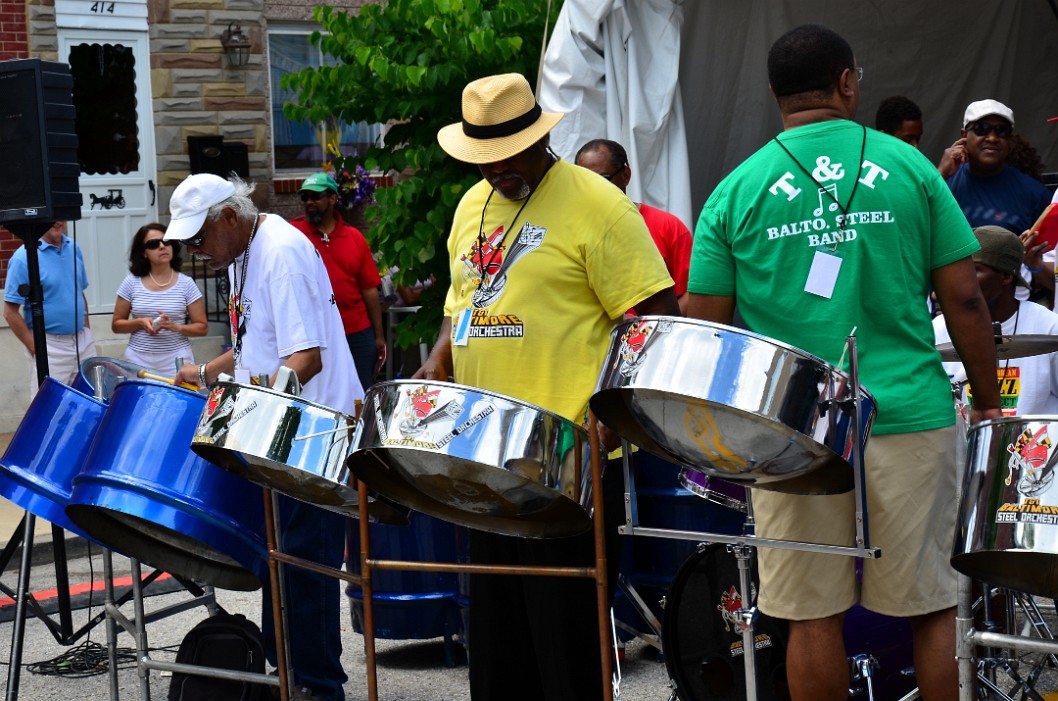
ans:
(209, 154)
(38, 143)
(206, 154)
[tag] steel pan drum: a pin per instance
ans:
(48, 450)
(1008, 513)
(731, 403)
(144, 493)
(474, 458)
(284, 443)
(110, 371)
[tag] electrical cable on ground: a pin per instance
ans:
(86, 660)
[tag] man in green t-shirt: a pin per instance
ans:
(829, 227)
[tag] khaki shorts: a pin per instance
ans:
(911, 509)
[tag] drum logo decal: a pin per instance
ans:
(1029, 458)
(636, 340)
(730, 608)
(422, 412)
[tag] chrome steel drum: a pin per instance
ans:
(285, 443)
(731, 403)
(716, 490)
(48, 450)
(1008, 513)
(107, 372)
(145, 494)
(474, 458)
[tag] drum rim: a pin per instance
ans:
(1020, 419)
(743, 332)
(464, 388)
(281, 395)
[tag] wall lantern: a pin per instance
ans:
(236, 44)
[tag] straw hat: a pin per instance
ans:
(500, 119)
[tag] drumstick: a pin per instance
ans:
(145, 375)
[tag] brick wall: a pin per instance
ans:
(13, 42)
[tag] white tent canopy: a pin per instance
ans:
(601, 68)
(630, 71)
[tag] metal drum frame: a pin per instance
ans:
(742, 545)
(277, 559)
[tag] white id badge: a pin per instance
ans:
(242, 376)
(824, 275)
(461, 330)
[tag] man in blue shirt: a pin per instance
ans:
(64, 280)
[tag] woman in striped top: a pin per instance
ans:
(160, 306)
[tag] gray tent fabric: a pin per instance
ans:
(943, 55)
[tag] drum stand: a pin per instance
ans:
(743, 546)
(277, 558)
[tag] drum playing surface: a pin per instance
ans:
(733, 404)
(474, 458)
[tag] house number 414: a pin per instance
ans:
(101, 7)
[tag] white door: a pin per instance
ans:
(115, 124)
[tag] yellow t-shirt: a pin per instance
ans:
(555, 280)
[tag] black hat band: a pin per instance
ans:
(496, 131)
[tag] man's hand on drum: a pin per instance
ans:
(977, 416)
(188, 374)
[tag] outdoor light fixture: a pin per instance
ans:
(236, 44)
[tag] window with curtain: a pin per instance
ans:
(296, 144)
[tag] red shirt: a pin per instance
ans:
(350, 266)
(674, 241)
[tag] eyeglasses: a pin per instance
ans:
(614, 174)
(307, 195)
(982, 129)
(155, 243)
(198, 238)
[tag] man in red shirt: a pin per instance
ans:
(354, 275)
(671, 236)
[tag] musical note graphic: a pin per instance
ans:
(833, 206)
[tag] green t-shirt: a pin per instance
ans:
(772, 228)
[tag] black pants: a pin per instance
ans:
(537, 638)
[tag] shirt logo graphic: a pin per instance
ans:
(493, 283)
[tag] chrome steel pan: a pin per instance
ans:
(474, 458)
(732, 404)
(1008, 513)
(285, 443)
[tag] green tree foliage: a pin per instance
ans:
(405, 62)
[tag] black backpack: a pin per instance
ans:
(228, 642)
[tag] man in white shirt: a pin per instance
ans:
(283, 313)
(1027, 385)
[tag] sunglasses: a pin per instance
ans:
(614, 174)
(155, 243)
(198, 238)
(309, 195)
(1002, 131)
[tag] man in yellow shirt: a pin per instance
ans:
(545, 258)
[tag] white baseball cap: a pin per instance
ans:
(985, 108)
(191, 202)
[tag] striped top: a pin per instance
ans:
(147, 303)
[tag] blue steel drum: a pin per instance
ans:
(48, 450)
(650, 564)
(409, 605)
(144, 493)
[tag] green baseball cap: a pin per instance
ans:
(319, 182)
